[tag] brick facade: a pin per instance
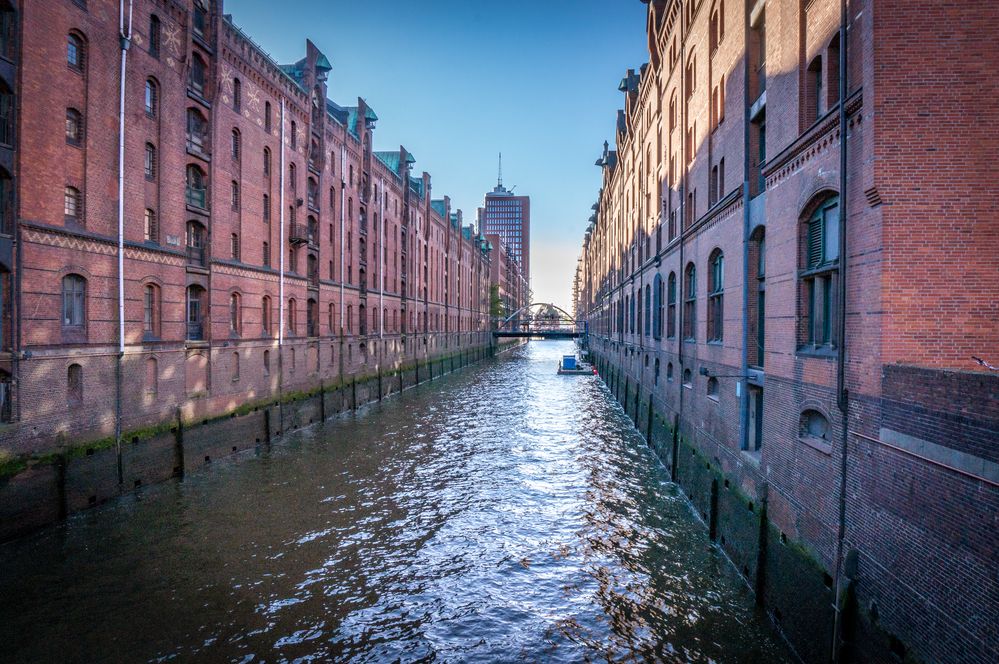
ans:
(259, 189)
(871, 444)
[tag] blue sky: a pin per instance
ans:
(458, 81)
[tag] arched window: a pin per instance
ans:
(267, 209)
(292, 178)
(73, 206)
(267, 363)
(197, 239)
(199, 20)
(648, 309)
(329, 318)
(690, 303)
(671, 306)
(151, 97)
(813, 92)
(6, 203)
(312, 194)
(687, 377)
(74, 385)
(237, 95)
(235, 367)
(152, 375)
(197, 131)
(756, 315)
(669, 372)
(657, 290)
(267, 164)
(154, 36)
(235, 314)
(197, 188)
(832, 67)
(7, 116)
(350, 319)
(292, 317)
(713, 388)
(294, 135)
(196, 308)
(819, 273)
(150, 162)
(74, 126)
(267, 117)
(657, 371)
(716, 288)
(199, 75)
(638, 307)
(362, 319)
(76, 53)
(312, 317)
(234, 188)
(265, 314)
(814, 425)
(74, 298)
(151, 311)
(717, 25)
(150, 228)
(235, 144)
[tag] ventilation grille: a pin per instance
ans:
(873, 197)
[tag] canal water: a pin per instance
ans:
(499, 514)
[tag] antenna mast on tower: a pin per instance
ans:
(499, 178)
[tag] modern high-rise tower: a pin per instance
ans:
(509, 217)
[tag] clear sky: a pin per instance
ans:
(458, 81)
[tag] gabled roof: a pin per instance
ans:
(416, 184)
(438, 206)
(390, 159)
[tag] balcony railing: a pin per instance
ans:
(302, 234)
(196, 256)
(195, 331)
(197, 197)
(6, 131)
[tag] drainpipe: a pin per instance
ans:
(681, 271)
(281, 273)
(381, 262)
(343, 202)
(125, 40)
(842, 394)
(746, 224)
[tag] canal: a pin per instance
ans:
(502, 513)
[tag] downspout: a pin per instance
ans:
(125, 41)
(343, 245)
(381, 261)
(281, 272)
(343, 202)
(842, 394)
(747, 224)
(681, 271)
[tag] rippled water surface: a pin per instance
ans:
(502, 513)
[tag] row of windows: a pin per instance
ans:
(645, 312)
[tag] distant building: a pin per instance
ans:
(505, 275)
(509, 217)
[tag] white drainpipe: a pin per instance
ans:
(125, 40)
(381, 262)
(281, 242)
(343, 243)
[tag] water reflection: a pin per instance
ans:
(503, 513)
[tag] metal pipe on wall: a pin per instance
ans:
(842, 394)
(125, 41)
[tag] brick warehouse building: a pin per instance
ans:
(268, 249)
(789, 271)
